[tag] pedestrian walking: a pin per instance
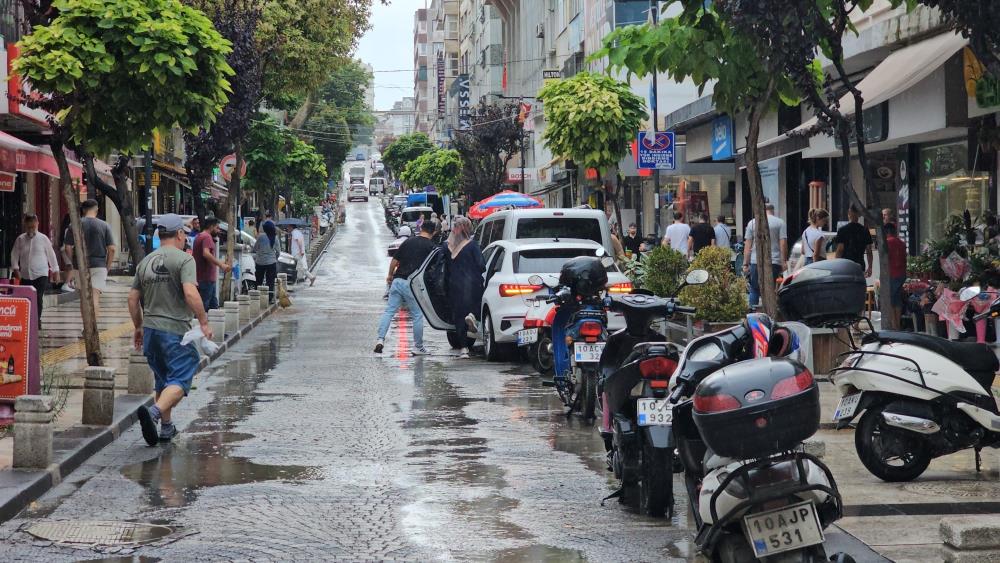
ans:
(632, 241)
(616, 245)
(68, 262)
(301, 259)
(779, 251)
(702, 235)
(100, 245)
(813, 240)
(465, 279)
(408, 258)
(207, 265)
(33, 261)
(897, 270)
(162, 302)
(676, 235)
(722, 233)
(854, 242)
(265, 257)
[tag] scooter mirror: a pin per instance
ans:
(600, 252)
(969, 293)
(536, 280)
(696, 277)
(607, 261)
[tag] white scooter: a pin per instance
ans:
(922, 396)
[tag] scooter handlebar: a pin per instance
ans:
(983, 315)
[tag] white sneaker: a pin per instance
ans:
(421, 351)
(463, 354)
(471, 324)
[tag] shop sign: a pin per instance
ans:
(140, 179)
(440, 79)
(656, 151)
(722, 138)
(548, 75)
(18, 361)
(464, 103)
(875, 121)
(7, 182)
(514, 174)
(903, 204)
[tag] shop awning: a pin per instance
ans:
(899, 72)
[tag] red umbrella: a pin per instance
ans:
(506, 199)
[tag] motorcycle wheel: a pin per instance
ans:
(878, 447)
(541, 355)
(656, 483)
(589, 394)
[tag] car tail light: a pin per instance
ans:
(625, 287)
(532, 323)
(515, 289)
(715, 403)
(792, 385)
(657, 367)
(591, 328)
(550, 316)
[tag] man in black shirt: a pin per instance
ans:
(408, 258)
(632, 242)
(702, 235)
(854, 242)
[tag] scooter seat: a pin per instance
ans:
(975, 358)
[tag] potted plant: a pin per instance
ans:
(664, 269)
(722, 301)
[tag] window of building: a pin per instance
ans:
(948, 188)
(422, 26)
(451, 27)
(631, 12)
(422, 49)
(422, 73)
(452, 68)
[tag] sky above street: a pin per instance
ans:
(388, 46)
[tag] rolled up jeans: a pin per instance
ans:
(400, 294)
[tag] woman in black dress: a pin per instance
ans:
(465, 277)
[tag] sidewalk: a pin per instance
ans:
(63, 354)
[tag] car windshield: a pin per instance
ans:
(559, 227)
(415, 215)
(547, 260)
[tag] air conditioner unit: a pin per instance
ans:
(540, 30)
(552, 52)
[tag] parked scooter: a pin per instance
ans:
(580, 323)
(636, 416)
(922, 397)
(742, 408)
(536, 337)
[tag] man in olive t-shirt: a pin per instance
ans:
(163, 300)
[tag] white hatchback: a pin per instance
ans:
(357, 191)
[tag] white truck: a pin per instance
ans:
(357, 173)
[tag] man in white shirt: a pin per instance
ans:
(722, 233)
(779, 251)
(676, 235)
(33, 260)
(299, 252)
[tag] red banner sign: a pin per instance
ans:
(15, 338)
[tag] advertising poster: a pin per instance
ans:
(15, 332)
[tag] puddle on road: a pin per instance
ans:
(200, 457)
(540, 553)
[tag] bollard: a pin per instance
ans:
(254, 303)
(217, 321)
(32, 432)
(98, 396)
(264, 293)
(232, 311)
(970, 538)
(140, 376)
(244, 303)
(283, 281)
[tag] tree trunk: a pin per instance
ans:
(231, 218)
(304, 112)
(121, 195)
(762, 233)
(91, 337)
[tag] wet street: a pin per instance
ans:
(301, 444)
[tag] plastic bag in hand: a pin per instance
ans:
(195, 336)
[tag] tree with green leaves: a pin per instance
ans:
(592, 120)
(113, 72)
(700, 45)
(280, 164)
(341, 117)
(405, 149)
(441, 168)
(487, 148)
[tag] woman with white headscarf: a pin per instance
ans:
(465, 277)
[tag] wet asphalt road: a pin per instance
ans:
(301, 444)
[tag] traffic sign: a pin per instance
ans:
(656, 152)
(228, 164)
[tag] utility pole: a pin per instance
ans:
(524, 182)
(148, 177)
(655, 14)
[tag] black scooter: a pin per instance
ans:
(636, 417)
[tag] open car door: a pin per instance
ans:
(428, 284)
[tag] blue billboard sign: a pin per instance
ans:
(656, 152)
(722, 138)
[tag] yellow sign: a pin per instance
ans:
(140, 179)
(974, 71)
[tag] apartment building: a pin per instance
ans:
(421, 58)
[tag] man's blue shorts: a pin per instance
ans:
(172, 363)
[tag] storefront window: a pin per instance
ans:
(948, 189)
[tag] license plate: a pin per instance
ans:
(848, 405)
(783, 529)
(585, 353)
(654, 412)
(527, 336)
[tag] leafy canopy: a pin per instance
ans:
(278, 163)
(592, 119)
(405, 149)
(441, 168)
(117, 70)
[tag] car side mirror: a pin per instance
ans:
(600, 252)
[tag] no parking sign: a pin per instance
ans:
(656, 152)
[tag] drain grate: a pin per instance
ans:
(98, 533)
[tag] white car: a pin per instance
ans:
(509, 264)
(357, 191)
(553, 224)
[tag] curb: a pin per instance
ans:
(75, 445)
